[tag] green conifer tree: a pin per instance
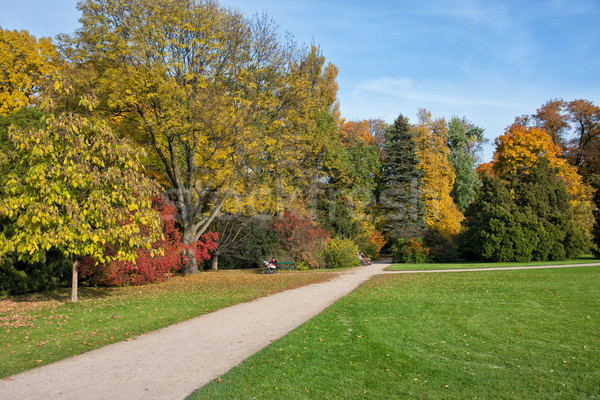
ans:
(544, 201)
(526, 217)
(463, 141)
(400, 198)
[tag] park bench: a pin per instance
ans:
(285, 265)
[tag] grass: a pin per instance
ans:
(472, 265)
(502, 335)
(43, 328)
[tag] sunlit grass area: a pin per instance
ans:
(588, 259)
(42, 328)
(499, 335)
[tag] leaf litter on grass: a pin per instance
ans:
(42, 328)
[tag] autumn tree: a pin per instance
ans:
(342, 153)
(22, 276)
(522, 146)
(401, 201)
(321, 157)
(82, 192)
(25, 62)
(525, 216)
(377, 129)
(431, 137)
(353, 170)
(584, 151)
(464, 140)
(24, 118)
(551, 117)
(220, 101)
(353, 160)
(574, 126)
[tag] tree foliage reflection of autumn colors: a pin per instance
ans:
(239, 128)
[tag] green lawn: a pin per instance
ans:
(39, 329)
(530, 334)
(472, 265)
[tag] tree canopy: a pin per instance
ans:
(523, 146)
(441, 213)
(223, 104)
(81, 192)
(401, 198)
(525, 217)
(464, 140)
(27, 62)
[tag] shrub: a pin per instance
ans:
(441, 249)
(19, 277)
(245, 242)
(374, 244)
(341, 253)
(303, 239)
(410, 251)
(149, 268)
(301, 266)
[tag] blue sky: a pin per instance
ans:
(488, 60)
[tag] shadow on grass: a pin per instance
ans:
(62, 295)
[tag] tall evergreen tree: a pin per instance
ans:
(543, 198)
(493, 225)
(400, 200)
(527, 216)
(463, 141)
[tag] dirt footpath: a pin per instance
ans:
(173, 362)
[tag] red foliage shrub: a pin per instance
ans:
(302, 238)
(148, 268)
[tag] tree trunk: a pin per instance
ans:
(191, 265)
(74, 282)
(215, 262)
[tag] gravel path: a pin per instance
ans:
(173, 362)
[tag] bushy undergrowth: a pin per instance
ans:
(410, 251)
(341, 253)
(149, 267)
(441, 248)
(302, 238)
(18, 277)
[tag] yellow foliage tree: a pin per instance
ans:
(24, 63)
(353, 131)
(441, 213)
(222, 103)
(82, 192)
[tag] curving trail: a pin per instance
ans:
(172, 362)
